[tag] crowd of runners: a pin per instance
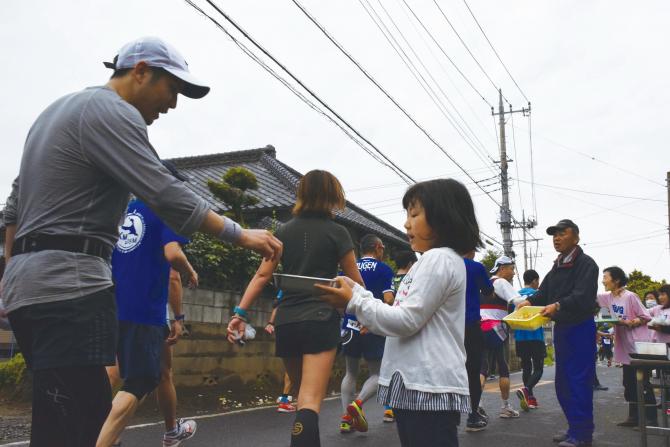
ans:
(95, 305)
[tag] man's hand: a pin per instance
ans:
(262, 242)
(338, 296)
(550, 310)
(523, 304)
(176, 329)
(365, 331)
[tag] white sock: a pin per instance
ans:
(505, 403)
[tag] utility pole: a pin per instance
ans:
(506, 223)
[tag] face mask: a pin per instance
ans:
(650, 304)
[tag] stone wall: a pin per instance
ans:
(205, 357)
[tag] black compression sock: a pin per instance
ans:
(306, 429)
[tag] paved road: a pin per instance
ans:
(265, 427)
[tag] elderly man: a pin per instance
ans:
(83, 156)
(493, 308)
(568, 293)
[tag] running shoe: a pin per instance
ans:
(475, 422)
(482, 413)
(507, 412)
(286, 407)
(345, 424)
(523, 395)
(532, 403)
(185, 430)
(388, 415)
(358, 421)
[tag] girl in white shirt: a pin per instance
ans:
(423, 376)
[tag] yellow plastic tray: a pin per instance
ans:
(527, 318)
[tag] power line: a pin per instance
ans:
(365, 72)
(396, 184)
(425, 85)
(466, 47)
(495, 52)
(446, 55)
(648, 199)
(388, 162)
(593, 158)
(614, 210)
(532, 166)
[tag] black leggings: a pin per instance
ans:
(474, 345)
(69, 406)
(427, 428)
(532, 355)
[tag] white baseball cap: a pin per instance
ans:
(156, 52)
(503, 260)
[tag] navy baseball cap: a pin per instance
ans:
(562, 225)
(156, 52)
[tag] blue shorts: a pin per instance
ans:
(368, 346)
(139, 350)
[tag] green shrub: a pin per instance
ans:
(13, 372)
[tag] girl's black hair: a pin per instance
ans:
(449, 212)
(617, 274)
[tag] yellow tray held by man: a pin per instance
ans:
(527, 318)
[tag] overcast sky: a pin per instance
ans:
(596, 73)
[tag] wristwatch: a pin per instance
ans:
(179, 317)
(558, 305)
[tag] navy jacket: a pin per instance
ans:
(574, 285)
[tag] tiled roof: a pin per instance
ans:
(277, 184)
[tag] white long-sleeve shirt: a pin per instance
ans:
(425, 326)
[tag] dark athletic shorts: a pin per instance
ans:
(368, 346)
(307, 337)
(77, 332)
(139, 351)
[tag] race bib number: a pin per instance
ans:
(354, 325)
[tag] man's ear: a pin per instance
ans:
(141, 72)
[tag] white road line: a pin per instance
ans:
(202, 416)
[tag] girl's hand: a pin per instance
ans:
(236, 329)
(340, 295)
(270, 328)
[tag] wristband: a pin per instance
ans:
(232, 231)
(270, 323)
(179, 317)
(241, 312)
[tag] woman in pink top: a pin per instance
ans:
(631, 327)
(661, 333)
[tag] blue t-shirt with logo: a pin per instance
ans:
(378, 278)
(477, 281)
(139, 268)
(537, 334)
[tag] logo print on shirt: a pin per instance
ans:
(131, 232)
(620, 311)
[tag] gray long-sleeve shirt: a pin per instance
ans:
(83, 156)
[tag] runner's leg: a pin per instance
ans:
(166, 394)
(348, 387)
(369, 388)
(316, 370)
